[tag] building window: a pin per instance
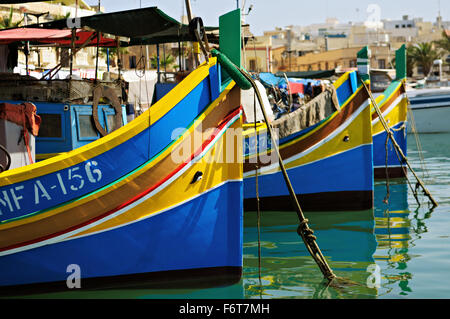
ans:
(352, 63)
(252, 65)
(397, 26)
(382, 64)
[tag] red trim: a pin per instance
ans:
(204, 145)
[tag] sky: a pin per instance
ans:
(268, 14)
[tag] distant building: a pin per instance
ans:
(343, 59)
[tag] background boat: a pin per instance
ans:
(431, 109)
(393, 104)
(329, 162)
(430, 102)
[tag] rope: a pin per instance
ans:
(398, 150)
(388, 193)
(26, 137)
(8, 159)
(303, 229)
(258, 211)
(418, 143)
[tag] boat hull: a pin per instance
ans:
(387, 161)
(146, 201)
(336, 187)
(329, 165)
(431, 110)
(171, 247)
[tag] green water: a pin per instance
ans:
(404, 246)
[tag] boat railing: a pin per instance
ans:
(25, 88)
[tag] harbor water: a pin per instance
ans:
(400, 249)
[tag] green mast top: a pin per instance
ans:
(400, 63)
(230, 38)
(363, 63)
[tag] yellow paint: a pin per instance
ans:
(336, 145)
(397, 115)
(213, 175)
(362, 122)
(341, 80)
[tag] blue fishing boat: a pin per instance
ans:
(139, 206)
(393, 104)
(327, 149)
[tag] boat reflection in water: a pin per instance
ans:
(368, 247)
(287, 270)
(396, 229)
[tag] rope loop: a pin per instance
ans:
(108, 93)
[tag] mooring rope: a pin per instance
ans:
(425, 172)
(303, 229)
(388, 193)
(245, 82)
(398, 150)
(258, 211)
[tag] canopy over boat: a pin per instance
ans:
(53, 36)
(309, 74)
(142, 26)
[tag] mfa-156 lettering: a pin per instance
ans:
(71, 180)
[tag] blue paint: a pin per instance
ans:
(379, 148)
(161, 90)
(346, 90)
(445, 101)
(205, 232)
(354, 81)
(70, 138)
(349, 171)
(214, 82)
(179, 117)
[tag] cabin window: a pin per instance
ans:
(50, 125)
(87, 128)
(110, 122)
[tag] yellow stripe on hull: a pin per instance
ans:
(181, 190)
(336, 145)
(397, 115)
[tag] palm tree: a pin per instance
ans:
(423, 54)
(410, 63)
(162, 62)
(7, 21)
(444, 43)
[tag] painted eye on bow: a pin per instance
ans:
(198, 176)
(346, 138)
